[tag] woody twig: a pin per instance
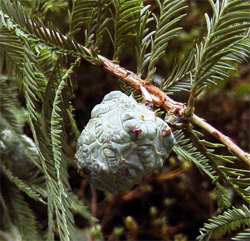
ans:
(227, 141)
(159, 98)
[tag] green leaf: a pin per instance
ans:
(181, 77)
(80, 14)
(222, 196)
(143, 38)
(64, 217)
(23, 216)
(187, 151)
(22, 185)
(243, 236)
(78, 206)
(124, 22)
(11, 51)
(210, 144)
(226, 29)
(18, 19)
(227, 222)
(166, 30)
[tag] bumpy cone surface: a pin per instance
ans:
(122, 143)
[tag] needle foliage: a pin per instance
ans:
(38, 61)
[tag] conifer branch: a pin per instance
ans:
(228, 142)
(225, 32)
(232, 176)
(35, 54)
(157, 96)
(227, 222)
(160, 99)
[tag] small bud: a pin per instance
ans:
(131, 224)
(96, 232)
(153, 211)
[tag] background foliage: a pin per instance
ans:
(48, 89)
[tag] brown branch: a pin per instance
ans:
(228, 142)
(160, 99)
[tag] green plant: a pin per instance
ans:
(38, 61)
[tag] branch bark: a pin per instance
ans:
(160, 99)
(227, 141)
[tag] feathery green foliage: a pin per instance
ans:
(81, 14)
(212, 165)
(11, 52)
(8, 114)
(21, 184)
(170, 15)
(58, 141)
(226, 31)
(227, 222)
(98, 24)
(143, 38)
(41, 61)
(29, 29)
(16, 211)
(23, 215)
(237, 179)
(39, 8)
(243, 236)
(48, 89)
(93, 16)
(124, 21)
(186, 150)
(181, 76)
(226, 42)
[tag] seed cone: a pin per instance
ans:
(122, 143)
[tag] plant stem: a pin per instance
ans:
(171, 106)
(160, 99)
(93, 202)
(228, 142)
